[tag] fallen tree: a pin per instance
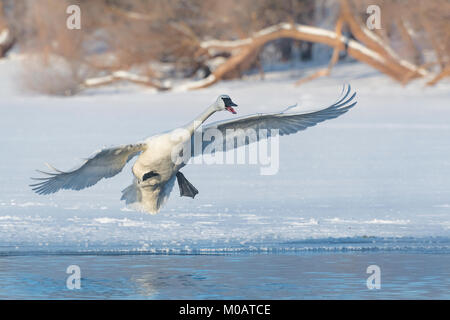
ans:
(122, 75)
(241, 49)
(370, 50)
(364, 45)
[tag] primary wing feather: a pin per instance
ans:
(104, 164)
(285, 123)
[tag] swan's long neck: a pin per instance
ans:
(197, 122)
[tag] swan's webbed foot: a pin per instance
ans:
(186, 188)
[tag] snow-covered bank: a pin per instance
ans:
(382, 170)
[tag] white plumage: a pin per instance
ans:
(155, 171)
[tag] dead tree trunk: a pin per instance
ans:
(7, 40)
(381, 59)
(366, 47)
(396, 67)
(334, 57)
(123, 76)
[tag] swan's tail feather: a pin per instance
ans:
(147, 198)
(132, 193)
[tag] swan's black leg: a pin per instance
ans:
(186, 188)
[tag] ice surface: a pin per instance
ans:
(377, 177)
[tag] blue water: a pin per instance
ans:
(439, 245)
(310, 269)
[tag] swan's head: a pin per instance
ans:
(224, 102)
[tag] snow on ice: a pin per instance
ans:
(379, 172)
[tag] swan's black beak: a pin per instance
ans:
(229, 105)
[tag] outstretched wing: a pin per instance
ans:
(285, 123)
(106, 163)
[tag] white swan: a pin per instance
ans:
(155, 170)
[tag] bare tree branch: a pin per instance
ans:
(242, 48)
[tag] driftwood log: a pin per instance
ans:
(366, 47)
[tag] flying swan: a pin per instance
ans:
(155, 170)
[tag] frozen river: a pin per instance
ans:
(374, 182)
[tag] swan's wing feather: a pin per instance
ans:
(286, 123)
(106, 163)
